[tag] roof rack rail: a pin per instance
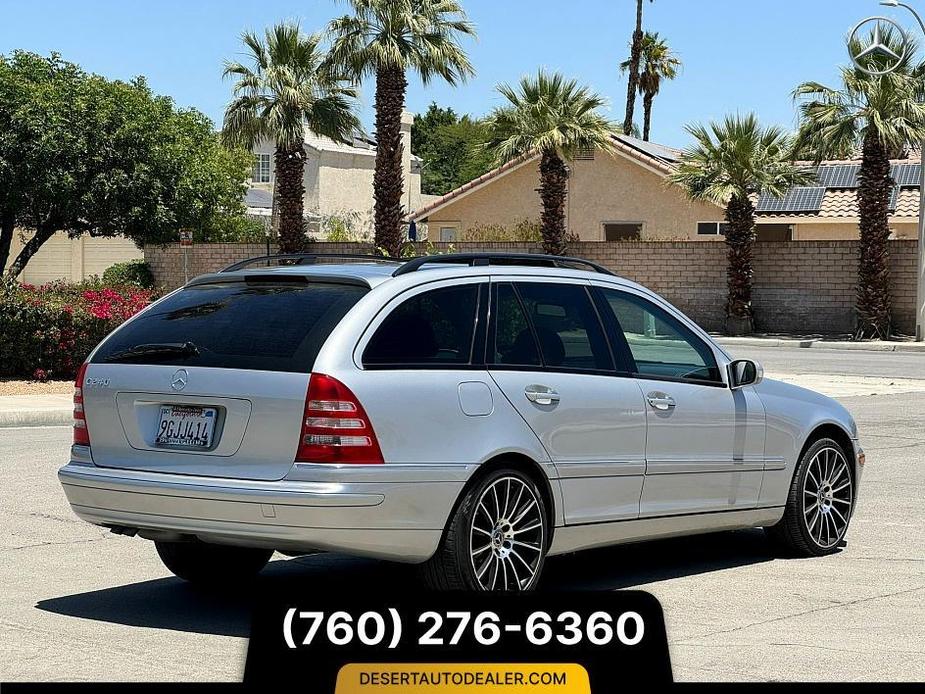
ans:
(484, 259)
(306, 259)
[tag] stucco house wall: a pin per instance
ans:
(339, 178)
(848, 229)
(62, 258)
(609, 188)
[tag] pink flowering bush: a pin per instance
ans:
(47, 331)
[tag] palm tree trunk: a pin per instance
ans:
(290, 190)
(7, 228)
(635, 56)
(740, 239)
(875, 186)
(647, 101)
(553, 192)
(41, 235)
(388, 178)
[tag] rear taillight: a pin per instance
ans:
(81, 435)
(335, 427)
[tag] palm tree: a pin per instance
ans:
(634, 61)
(385, 39)
(285, 86)
(658, 63)
(555, 118)
(881, 116)
(729, 164)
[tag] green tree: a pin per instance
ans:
(881, 116)
(386, 39)
(451, 149)
(84, 155)
(555, 118)
(286, 85)
(658, 63)
(633, 69)
(728, 164)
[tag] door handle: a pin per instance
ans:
(661, 401)
(541, 395)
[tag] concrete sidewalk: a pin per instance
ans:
(820, 343)
(36, 410)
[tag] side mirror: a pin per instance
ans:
(745, 372)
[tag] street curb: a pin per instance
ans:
(813, 343)
(36, 418)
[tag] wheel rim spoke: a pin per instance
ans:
(516, 526)
(827, 483)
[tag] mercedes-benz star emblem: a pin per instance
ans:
(179, 380)
(876, 56)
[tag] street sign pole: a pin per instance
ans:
(186, 240)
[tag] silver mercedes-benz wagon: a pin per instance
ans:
(473, 414)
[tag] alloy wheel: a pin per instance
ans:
(827, 497)
(507, 536)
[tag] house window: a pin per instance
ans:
(448, 233)
(712, 228)
(622, 231)
(773, 232)
(584, 154)
(261, 169)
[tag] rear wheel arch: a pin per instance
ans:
(521, 463)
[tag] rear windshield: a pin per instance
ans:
(269, 326)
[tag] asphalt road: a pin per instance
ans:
(79, 603)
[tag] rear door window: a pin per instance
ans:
(556, 322)
(269, 326)
(432, 329)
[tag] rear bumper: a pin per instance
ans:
(395, 519)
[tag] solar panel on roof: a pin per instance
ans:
(907, 175)
(894, 198)
(800, 199)
(838, 176)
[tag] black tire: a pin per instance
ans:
(810, 528)
(513, 561)
(207, 564)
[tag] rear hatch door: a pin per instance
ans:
(212, 380)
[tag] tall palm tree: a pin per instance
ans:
(285, 86)
(634, 61)
(728, 164)
(658, 63)
(881, 116)
(385, 39)
(555, 118)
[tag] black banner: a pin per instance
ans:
(396, 643)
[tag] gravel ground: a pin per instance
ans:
(15, 387)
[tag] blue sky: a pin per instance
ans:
(738, 55)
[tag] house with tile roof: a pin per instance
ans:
(338, 177)
(626, 196)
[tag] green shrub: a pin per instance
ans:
(521, 230)
(233, 228)
(132, 272)
(48, 331)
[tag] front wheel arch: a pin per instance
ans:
(837, 434)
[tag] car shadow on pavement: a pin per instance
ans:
(634, 565)
(169, 603)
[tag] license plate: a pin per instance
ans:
(185, 426)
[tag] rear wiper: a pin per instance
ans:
(157, 349)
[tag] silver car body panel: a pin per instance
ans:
(616, 469)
